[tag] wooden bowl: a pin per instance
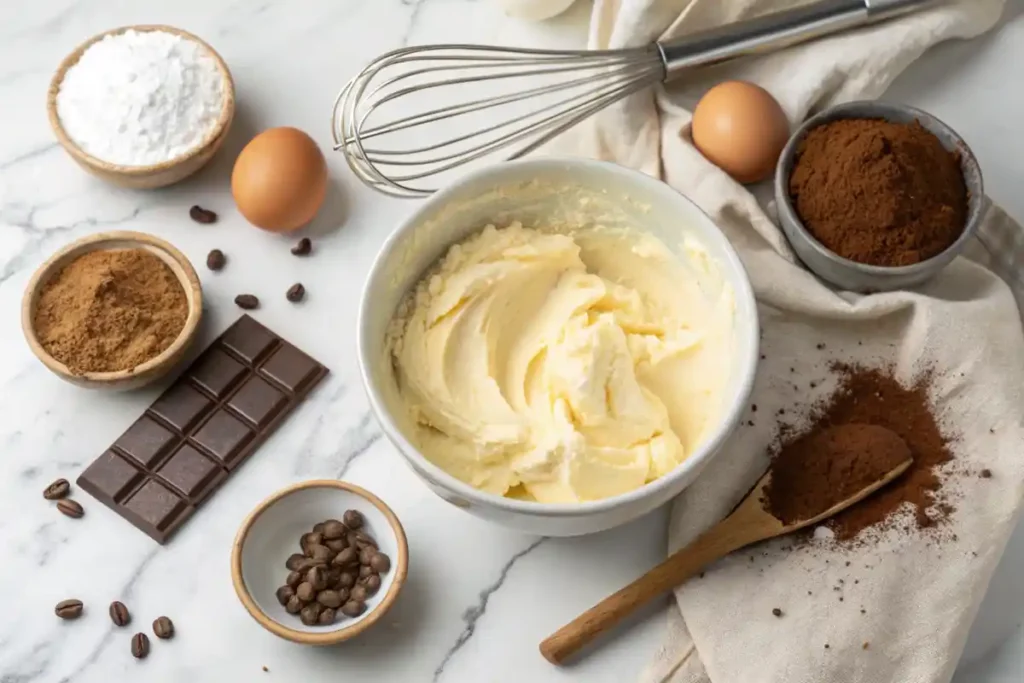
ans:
(155, 175)
(154, 368)
(270, 534)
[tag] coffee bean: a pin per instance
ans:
(353, 608)
(346, 580)
(247, 302)
(70, 508)
(346, 558)
(334, 530)
(353, 519)
(317, 578)
(294, 579)
(294, 605)
(309, 563)
(294, 561)
(305, 591)
(69, 609)
(57, 490)
(310, 614)
(380, 563)
(358, 593)
(366, 554)
(295, 293)
(364, 541)
(365, 570)
(284, 594)
(303, 248)
(215, 260)
(336, 544)
(343, 593)
(372, 584)
(163, 628)
(326, 617)
(320, 553)
(352, 540)
(319, 527)
(140, 646)
(333, 574)
(119, 614)
(329, 598)
(201, 215)
(310, 539)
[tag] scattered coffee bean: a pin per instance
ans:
(57, 490)
(777, 612)
(380, 563)
(303, 248)
(163, 628)
(296, 293)
(372, 584)
(353, 519)
(70, 508)
(346, 580)
(140, 646)
(326, 617)
(329, 598)
(320, 553)
(284, 594)
(366, 554)
(119, 614)
(353, 608)
(358, 593)
(294, 561)
(69, 609)
(294, 579)
(336, 544)
(363, 541)
(215, 260)
(310, 614)
(986, 473)
(247, 302)
(201, 215)
(334, 530)
(346, 558)
(305, 591)
(365, 571)
(294, 605)
(317, 578)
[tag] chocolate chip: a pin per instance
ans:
(247, 301)
(70, 508)
(303, 248)
(296, 293)
(140, 646)
(201, 215)
(57, 490)
(215, 260)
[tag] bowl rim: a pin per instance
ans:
(95, 242)
(748, 359)
(884, 110)
(400, 566)
(223, 121)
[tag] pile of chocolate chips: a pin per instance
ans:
(338, 571)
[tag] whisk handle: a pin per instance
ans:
(777, 30)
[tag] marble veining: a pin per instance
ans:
(479, 598)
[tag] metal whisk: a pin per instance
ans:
(394, 134)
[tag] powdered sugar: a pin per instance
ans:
(141, 97)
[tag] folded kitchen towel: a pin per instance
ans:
(910, 598)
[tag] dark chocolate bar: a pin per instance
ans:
(199, 431)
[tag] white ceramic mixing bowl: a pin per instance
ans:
(538, 191)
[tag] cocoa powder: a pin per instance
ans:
(822, 465)
(881, 193)
(110, 310)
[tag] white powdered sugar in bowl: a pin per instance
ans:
(141, 98)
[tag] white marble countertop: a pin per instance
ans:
(479, 598)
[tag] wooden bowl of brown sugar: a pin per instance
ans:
(114, 310)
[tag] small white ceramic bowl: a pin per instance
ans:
(271, 534)
(578, 192)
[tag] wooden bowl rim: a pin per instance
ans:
(226, 114)
(94, 242)
(400, 567)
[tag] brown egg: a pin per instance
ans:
(741, 129)
(279, 180)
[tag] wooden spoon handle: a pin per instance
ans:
(682, 565)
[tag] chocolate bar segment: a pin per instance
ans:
(199, 431)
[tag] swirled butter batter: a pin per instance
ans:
(563, 367)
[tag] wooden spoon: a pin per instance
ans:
(748, 524)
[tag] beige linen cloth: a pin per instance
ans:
(909, 598)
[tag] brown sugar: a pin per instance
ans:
(110, 310)
(881, 193)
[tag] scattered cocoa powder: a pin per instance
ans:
(886, 194)
(803, 481)
(110, 310)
